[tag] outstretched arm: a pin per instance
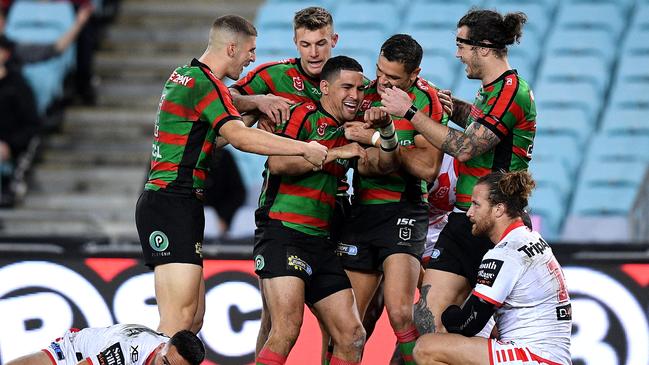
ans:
(294, 166)
(277, 108)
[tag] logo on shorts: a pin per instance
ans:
(298, 264)
(159, 241)
(349, 250)
(259, 262)
(435, 253)
(57, 351)
(198, 249)
(405, 233)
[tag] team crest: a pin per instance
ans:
(322, 129)
(298, 83)
(422, 85)
(442, 192)
(365, 104)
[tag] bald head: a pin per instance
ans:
(229, 29)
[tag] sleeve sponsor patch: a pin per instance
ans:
(111, 356)
(564, 312)
(488, 271)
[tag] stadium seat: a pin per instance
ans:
(634, 68)
(636, 41)
(435, 15)
(568, 95)
(367, 41)
(465, 89)
(581, 42)
(523, 65)
(276, 41)
(641, 18)
(589, 69)
(606, 147)
(538, 18)
(434, 41)
(553, 174)
(557, 148)
(572, 123)
(279, 14)
(439, 70)
(591, 16)
(548, 203)
(630, 94)
(365, 16)
(548, 5)
(626, 121)
(599, 200)
(612, 173)
(625, 4)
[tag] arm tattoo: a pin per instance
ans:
(475, 141)
(423, 317)
(461, 112)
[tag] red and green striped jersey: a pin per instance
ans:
(193, 107)
(505, 107)
(400, 186)
(305, 202)
(284, 78)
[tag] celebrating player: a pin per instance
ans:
(519, 280)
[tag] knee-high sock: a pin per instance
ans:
(267, 357)
(330, 352)
(406, 340)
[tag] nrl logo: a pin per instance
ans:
(298, 84)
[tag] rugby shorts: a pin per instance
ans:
(170, 227)
(374, 232)
(509, 353)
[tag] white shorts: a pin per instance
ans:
(62, 351)
(515, 354)
(433, 234)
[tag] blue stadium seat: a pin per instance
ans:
(439, 70)
(641, 18)
(434, 41)
(630, 94)
(618, 120)
(465, 89)
(280, 14)
(572, 123)
(435, 15)
(365, 16)
(589, 69)
(526, 50)
(612, 173)
(557, 148)
(30, 14)
(367, 41)
(636, 41)
(581, 42)
(601, 200)
(548, 203)
(591, 16)
(606, 147)
(538, 19)
(276, 41)
(548, 5)
(625, 4)
(552, 174)
(568, 95)
(634, 68)
(523, 65)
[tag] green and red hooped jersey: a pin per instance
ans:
(305, 202)
(506, 107)
(283, 78)
(400, 186)
(193, 107)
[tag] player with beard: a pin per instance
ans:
(294, 256)
(519, 280)
(499, 134)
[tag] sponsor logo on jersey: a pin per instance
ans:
(349, 250)
(422, 85)
(135, 354)
(564, 313)
(259, 262)
(488, 271)
(111, 356)
(310, 106)
(534, 248)
(296, 263)
(159, 241)
(298, 83)
(181, 79)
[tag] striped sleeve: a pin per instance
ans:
(495, 119)
(433, 109)
(257, 81)
(296, 123)
(216, 104)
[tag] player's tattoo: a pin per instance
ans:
(475, 141)
(461, 112)
(423, 317)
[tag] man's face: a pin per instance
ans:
(393, 73)
(468, 55)
(344, 94)
(168, 355)
(481, 212)
(244, 54)
(314, 47)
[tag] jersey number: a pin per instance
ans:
(555, 269)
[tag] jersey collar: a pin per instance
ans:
(323, 111)
(314, 80)
(517, 223)
(501, 77)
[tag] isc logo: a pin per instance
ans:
(406, 222)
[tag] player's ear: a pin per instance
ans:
(231, 49)
(334, 39)
(324, 87)
(415, 73)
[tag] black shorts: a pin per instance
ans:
(374, 232)
(460, 252)
(281, 251)
(170, 227)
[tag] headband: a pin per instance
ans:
(479, 43)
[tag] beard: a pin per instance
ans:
(481, 228)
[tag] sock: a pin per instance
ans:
(330, 352)
(406, 340)
(337, 361)
(267, 357)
